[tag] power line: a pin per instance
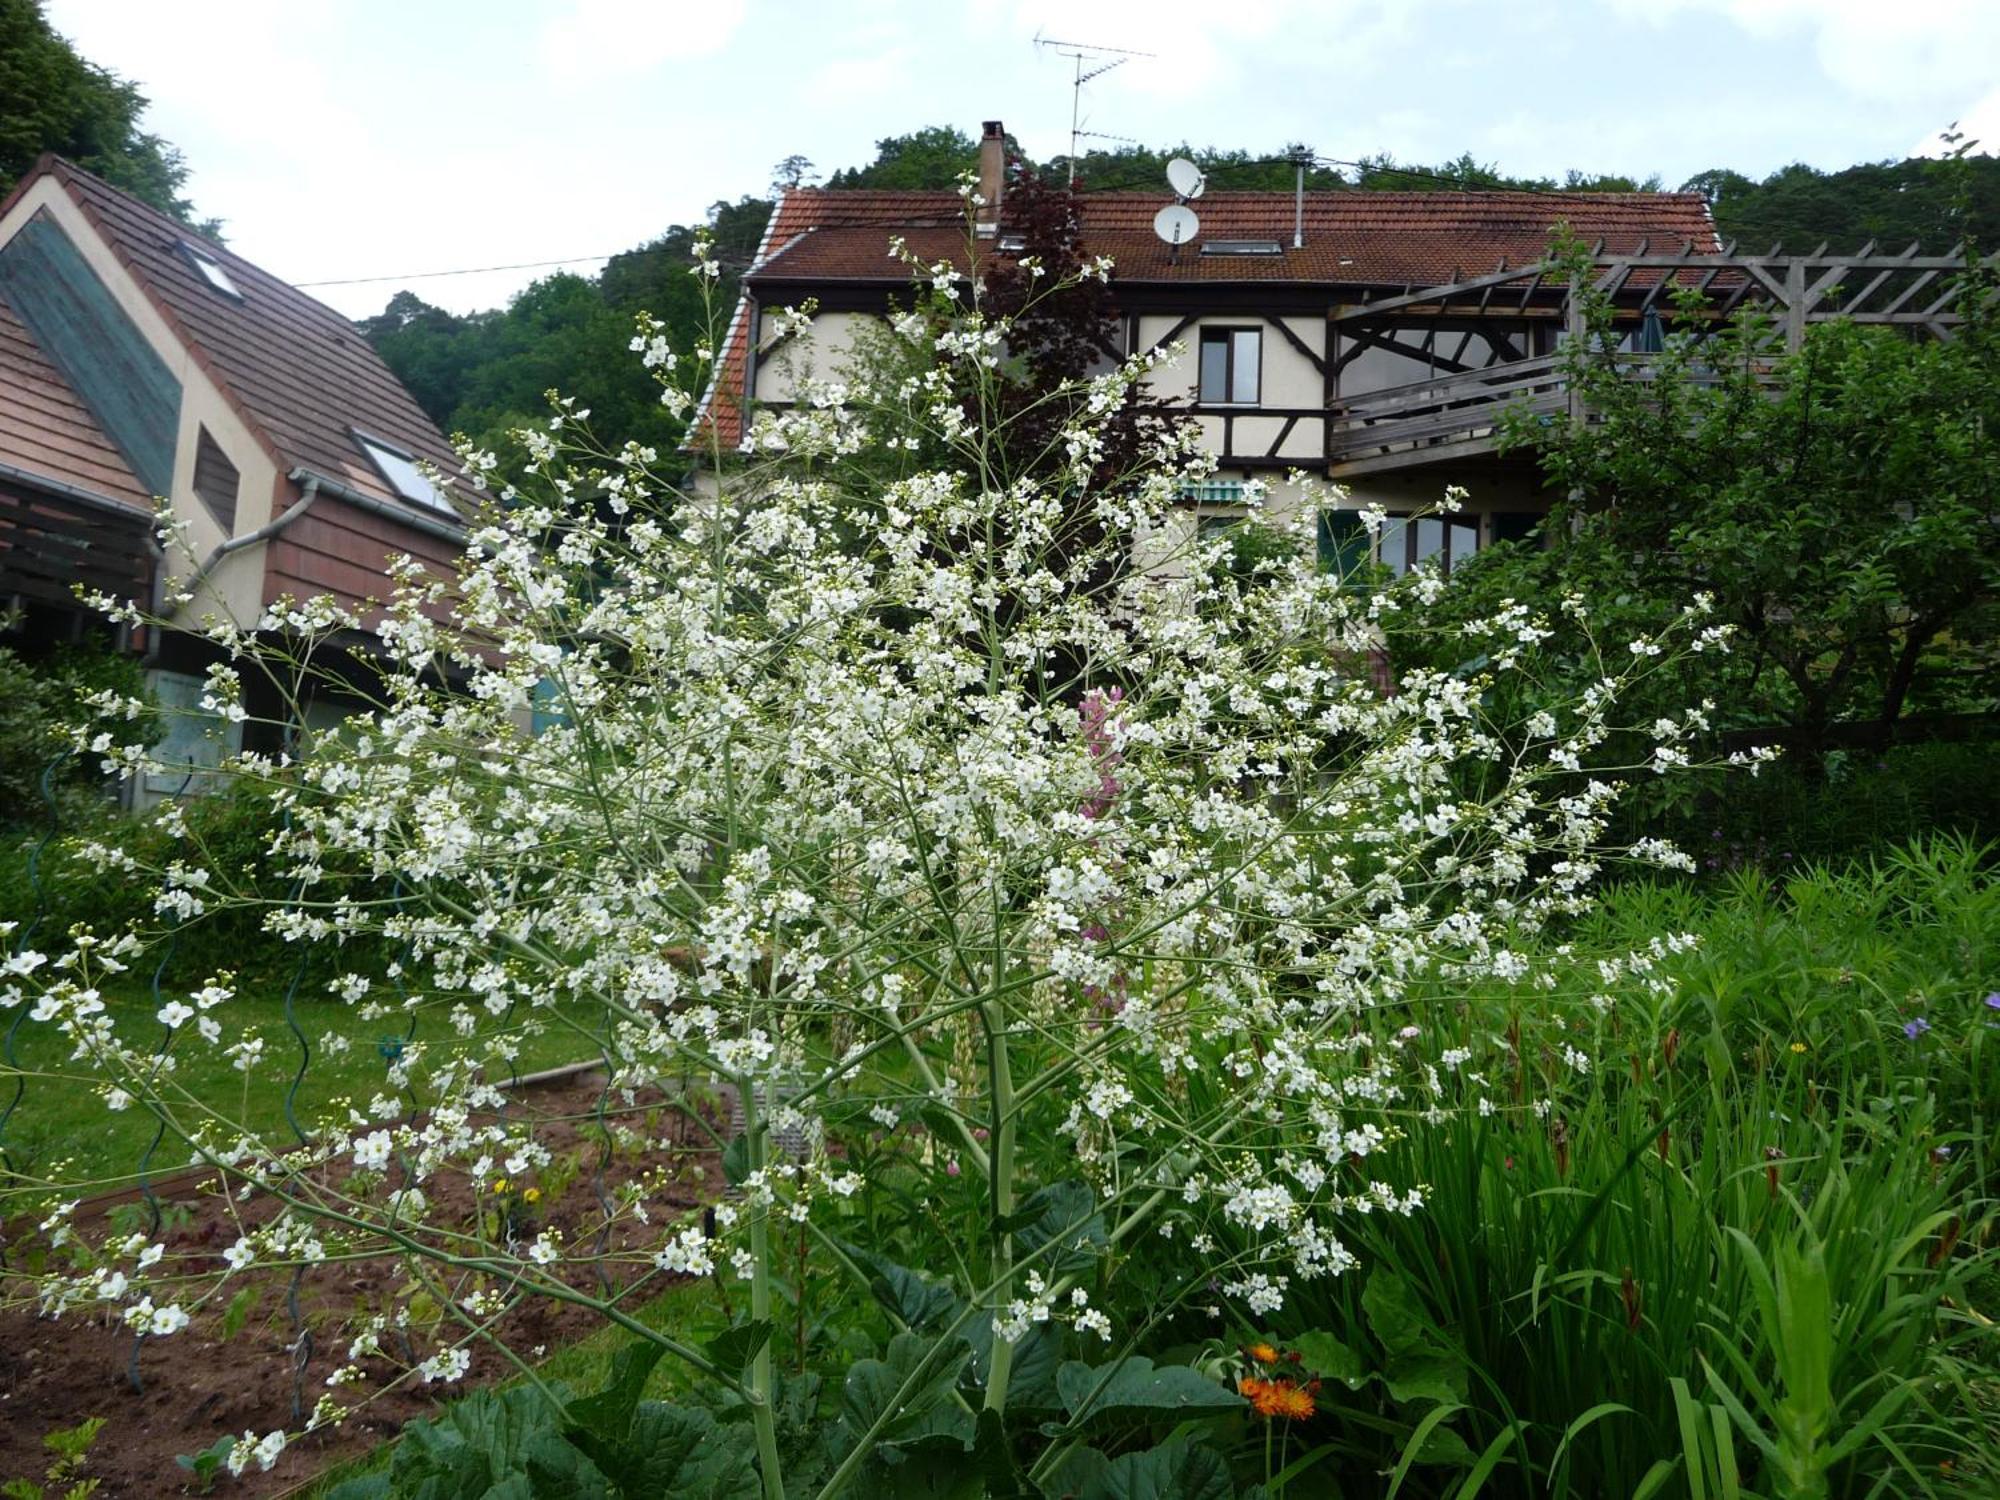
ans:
(523, 265)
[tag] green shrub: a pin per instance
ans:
(38, 702)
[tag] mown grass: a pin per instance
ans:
(62, 1114)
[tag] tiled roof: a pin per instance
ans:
(46, 430)
(1354, 239)
(299, 372)
(820, 237)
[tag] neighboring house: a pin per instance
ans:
(138, 361)
(1367, 338)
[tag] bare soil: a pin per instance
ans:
(197, 1386)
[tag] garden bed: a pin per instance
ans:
(213, 1380)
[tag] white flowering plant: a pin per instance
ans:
(990, 846)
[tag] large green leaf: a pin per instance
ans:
(1031, 1385)
(680, 1452)
(1064, 1219)
(919, 1302)
(1176, 1470)
(733, 1349)
(1330, 1359)
(470, 1446)
(1134, 1391)
(609, 1413)
(557, 1470)
(1426, 1377)
(872, 1384)
(1394, 1313)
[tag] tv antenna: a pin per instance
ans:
(1092, 61)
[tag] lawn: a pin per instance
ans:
(62, 1112)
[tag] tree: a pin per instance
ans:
(1841, 504)
(794, 171)
(933, 158)
(1935, 202)
(1063, 328)
(53, 99)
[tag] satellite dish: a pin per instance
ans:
(1176, 224)
(1185, 178)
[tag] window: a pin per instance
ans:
(1434, 541)
(211, 270)
(1405, 543)
(1229, 366)
(401, 471)
(1242, 247)
(215, 480)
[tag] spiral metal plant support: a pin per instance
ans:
(20, 945)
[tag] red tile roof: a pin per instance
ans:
(822, 236)
(299, 373)
(1354, 239)
(46, 430)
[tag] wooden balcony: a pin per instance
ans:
(1502, 319)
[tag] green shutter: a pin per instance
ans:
(1343, 543)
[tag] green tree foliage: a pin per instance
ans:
(1841, 504)
(485, 373)
(52, 99)
(929, 158)
(1932, 201)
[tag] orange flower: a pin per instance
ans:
(1281, 1398)
(1251, 1387)
(1262, 1352)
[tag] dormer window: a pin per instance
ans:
(400, 470)
(211, 270)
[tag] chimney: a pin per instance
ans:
(992, 175)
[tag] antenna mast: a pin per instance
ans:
(1101, 60)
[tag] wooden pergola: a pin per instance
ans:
(1490, 343)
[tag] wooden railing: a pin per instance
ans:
(1444, 415)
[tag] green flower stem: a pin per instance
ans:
(763, 1418)
(1000, 1191)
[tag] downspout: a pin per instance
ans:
(262, 534)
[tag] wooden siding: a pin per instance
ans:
(49, 543)
(216, 481)
(103, 357)
(46, 430)
(340, 549)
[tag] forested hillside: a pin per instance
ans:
(481, 373)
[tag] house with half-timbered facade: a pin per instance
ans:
(1373, 339)
(144, 366)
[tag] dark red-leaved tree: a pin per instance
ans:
(1065, 329)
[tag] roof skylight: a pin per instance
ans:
(211, 271)
(402, 473)
(1242, 247)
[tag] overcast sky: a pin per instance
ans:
(361, 138)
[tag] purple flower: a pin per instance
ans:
(1916, 1028)
(1993, 1001)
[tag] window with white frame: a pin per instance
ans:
(1230, 366)
(400, 470)
(211, 270)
